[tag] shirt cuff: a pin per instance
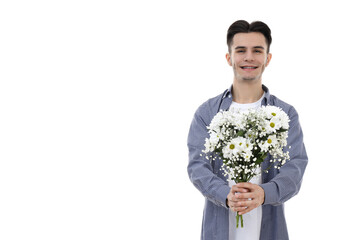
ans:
(222, 195)
(270, 190)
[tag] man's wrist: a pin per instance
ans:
(263, 200)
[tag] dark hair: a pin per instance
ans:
(242, 26)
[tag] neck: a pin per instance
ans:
(247, 91)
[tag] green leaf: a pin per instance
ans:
(241, 133)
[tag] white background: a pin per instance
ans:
(96, 99)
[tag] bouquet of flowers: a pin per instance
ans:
(244, 139)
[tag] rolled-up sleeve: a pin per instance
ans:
(286, 183)
(200, 170)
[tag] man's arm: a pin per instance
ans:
(200, 170)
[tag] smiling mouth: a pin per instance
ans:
(247, 67)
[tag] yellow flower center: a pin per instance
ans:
(269, 141)
(272, 124)
(274, 114)
(232, 146)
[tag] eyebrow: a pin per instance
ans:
(252, 47)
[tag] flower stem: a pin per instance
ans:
(237, 220)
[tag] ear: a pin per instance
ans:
(228, 59)
(268, 59)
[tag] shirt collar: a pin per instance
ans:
(228, 94)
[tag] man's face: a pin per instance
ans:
(248, 56)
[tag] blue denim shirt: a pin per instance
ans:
(279, 184)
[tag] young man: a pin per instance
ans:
(261, 200)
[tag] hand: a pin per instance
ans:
(233, 199)
(244, 197)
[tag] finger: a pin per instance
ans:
(245, 185)
(242, 203)
(233, 199)
(236, 201)
(245, 210)
(247, 195)
(239, 209)
(236, 188)
(243, 196)
(243, 206)
(247, 206)
(239, 206)
(243, 190)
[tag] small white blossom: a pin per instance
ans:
(244, 139)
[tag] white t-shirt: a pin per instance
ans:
(252, 219)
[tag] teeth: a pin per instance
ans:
(249, 67)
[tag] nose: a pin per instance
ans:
(249, 57)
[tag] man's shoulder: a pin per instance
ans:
(210, 107)
(214, 101)
(286, 107)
